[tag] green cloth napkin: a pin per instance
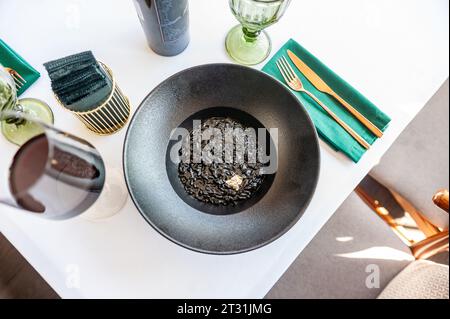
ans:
(10, 59)
(329, 130)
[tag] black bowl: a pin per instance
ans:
(254, 99)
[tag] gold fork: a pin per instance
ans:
(18, 79)
(294, 82)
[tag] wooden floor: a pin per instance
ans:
(17, 278)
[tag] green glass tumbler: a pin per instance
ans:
(248, 43)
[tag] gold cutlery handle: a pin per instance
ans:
(367, 123)
(322, 86)
(346, 127)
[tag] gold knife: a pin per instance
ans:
(323, 87)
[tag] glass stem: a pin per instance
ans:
(18, 109)
(250, 35)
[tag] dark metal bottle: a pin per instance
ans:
(166, 24)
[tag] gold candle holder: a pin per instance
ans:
(110, 116)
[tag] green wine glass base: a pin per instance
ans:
(20, 133)
(245, 49)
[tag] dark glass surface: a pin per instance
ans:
(165, 24)
(60, 178)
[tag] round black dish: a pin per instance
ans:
(220, 90)
(172, 168)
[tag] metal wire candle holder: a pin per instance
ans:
(110, 116)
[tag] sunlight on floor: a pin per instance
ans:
(344, 239)
(382, 253)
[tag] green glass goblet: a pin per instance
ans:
(248, 43)
(15, 128)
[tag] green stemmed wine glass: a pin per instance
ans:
(248, 43)
(15, 128)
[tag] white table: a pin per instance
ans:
(395, 52)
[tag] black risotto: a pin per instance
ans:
(222, 184)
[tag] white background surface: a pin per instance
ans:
(394, 51)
